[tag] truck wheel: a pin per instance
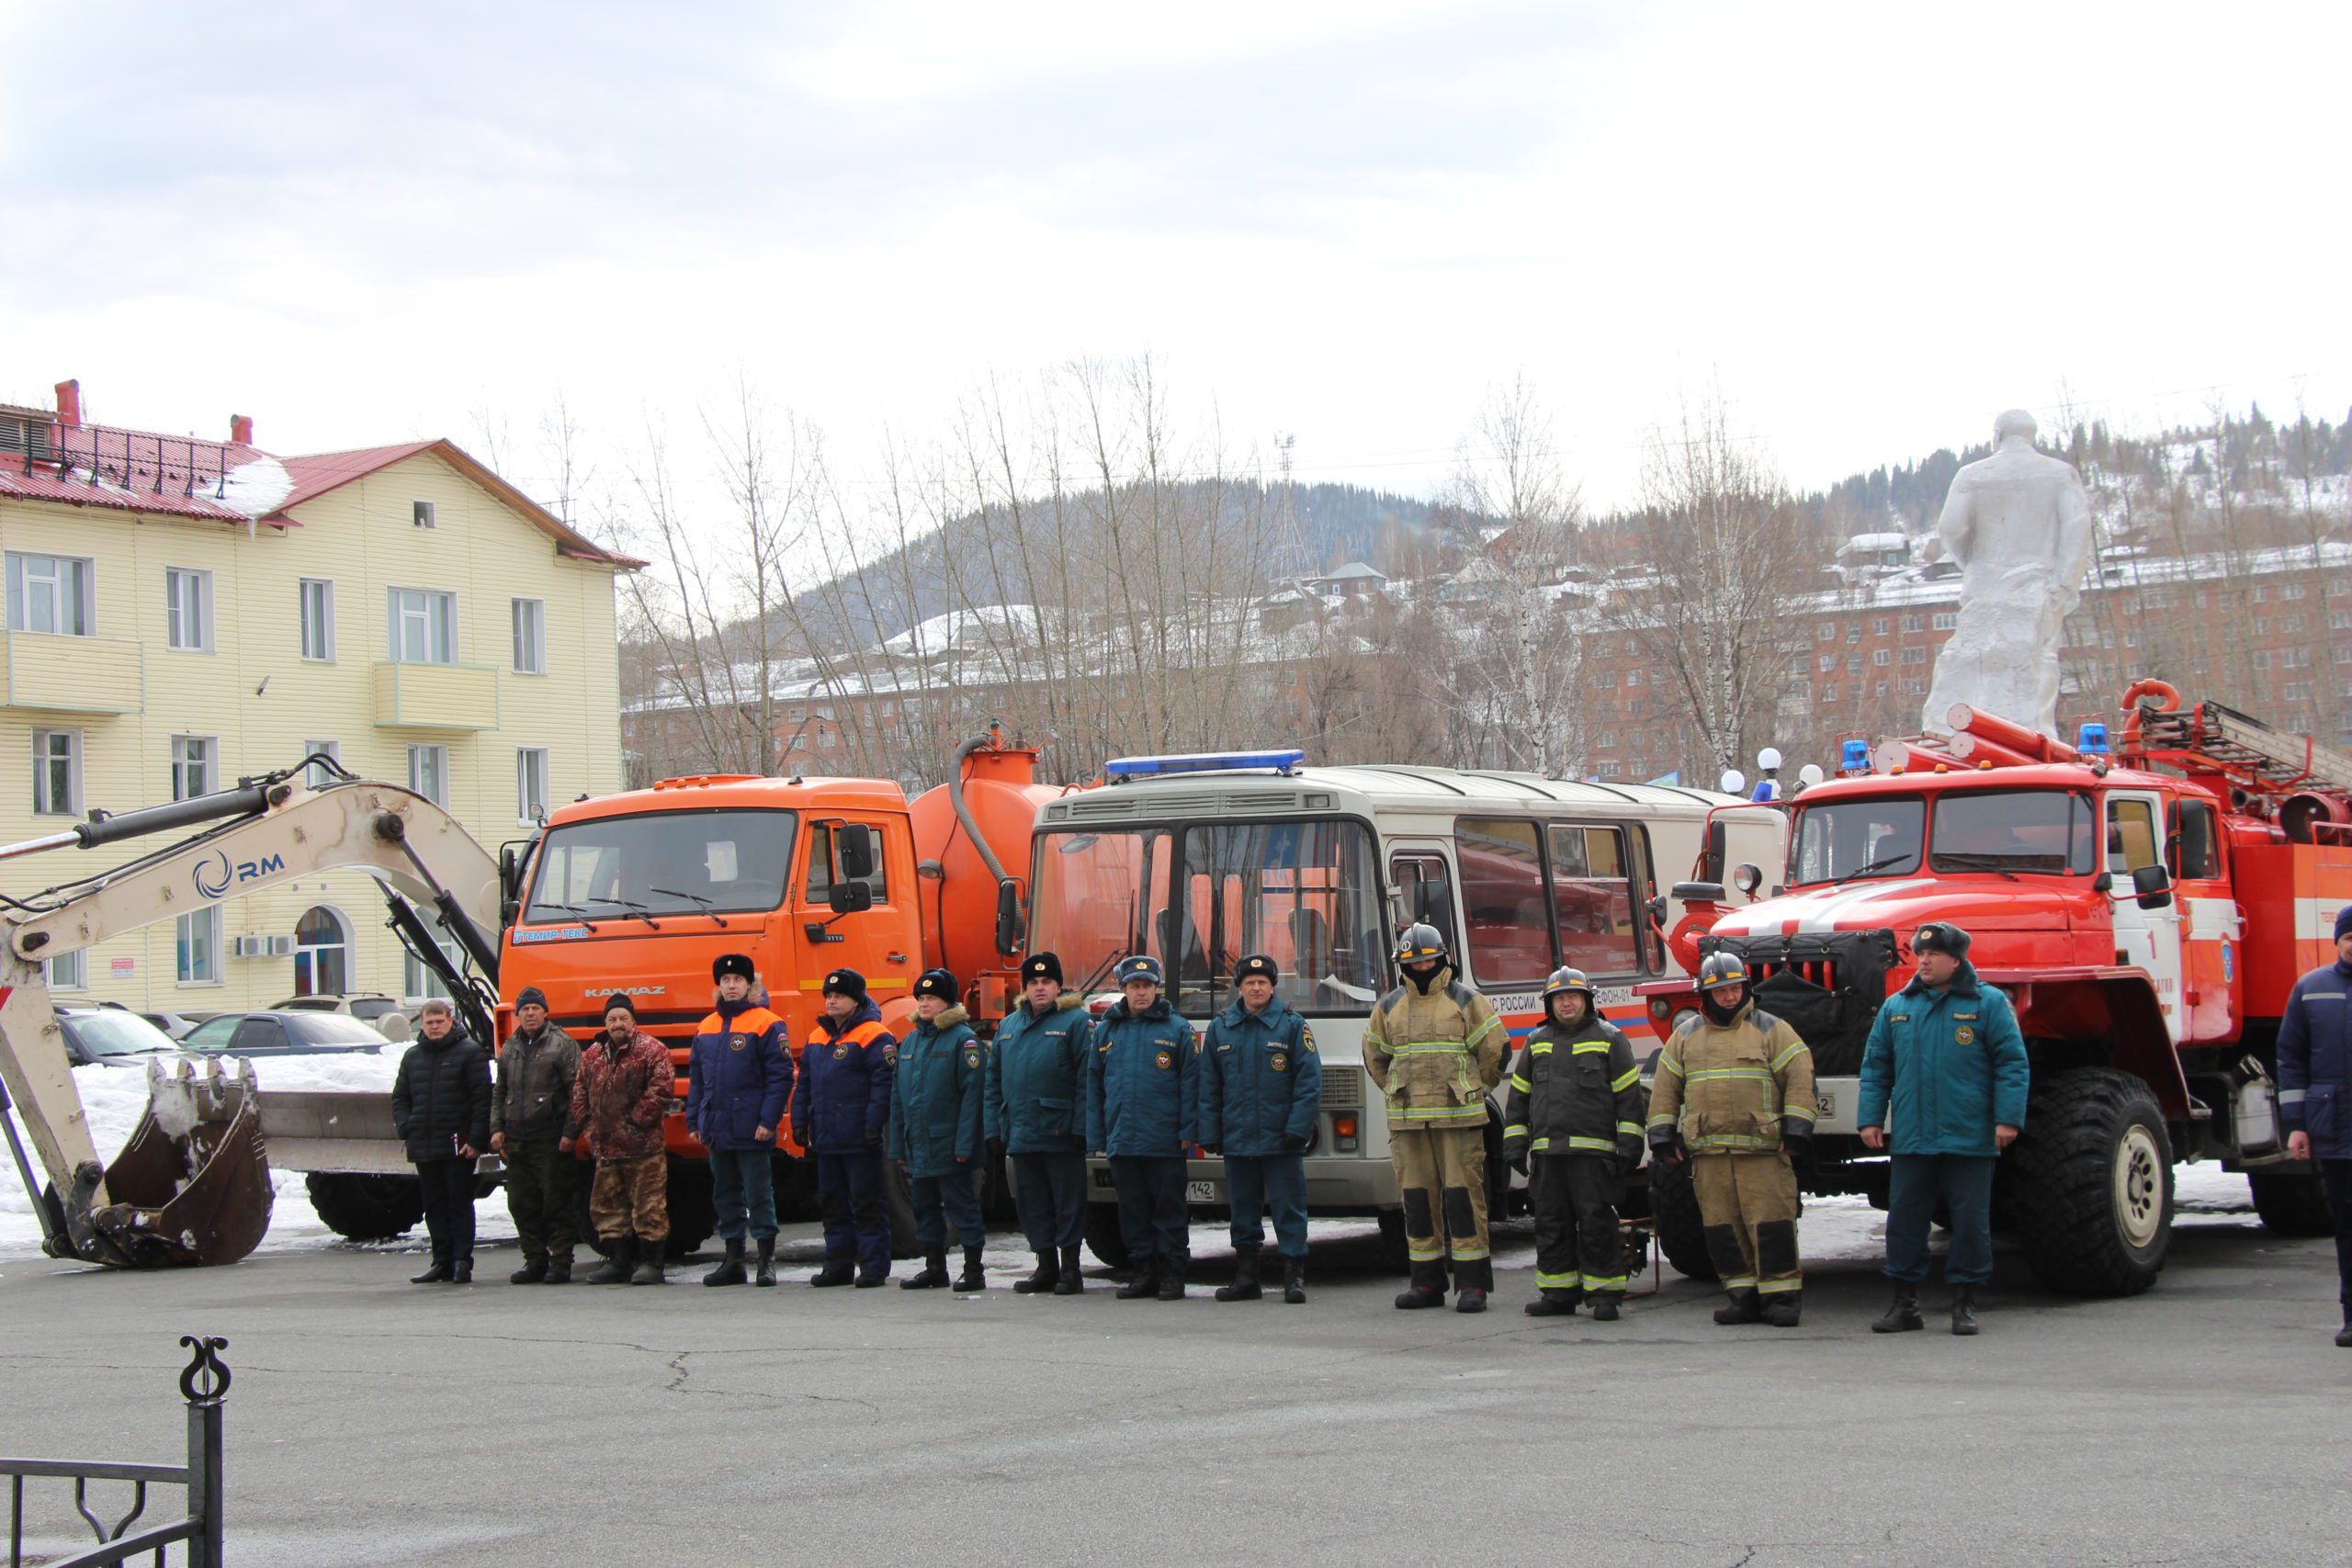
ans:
(899, 1200)
(2291, 1205)
(1103, 1236)
(1395, 1255)
(360, 1207)
(693, 1214)
(1674, 1216)
(2094, 1184)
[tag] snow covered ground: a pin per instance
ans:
(1835, 1229)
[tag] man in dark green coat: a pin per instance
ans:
(1261, 1090)
(935, 1130)
(1943, 1090)
(1036, 1068)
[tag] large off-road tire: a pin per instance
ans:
(1674, 1215)
(2092, 1184)
(2290, 1204)
(360, 1207)
(1103, 1236)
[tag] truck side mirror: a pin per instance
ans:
(1657, 910)
(849, 897)
(2152, 887)
(1008, 917)
(1699, 892)
(854, 853)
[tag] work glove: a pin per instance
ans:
(1516, 1154)
(1797, 1145)
(1629, 1155)
(1666, 1143)
(1293, 1141)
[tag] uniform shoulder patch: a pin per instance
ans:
(972, 1056)
(1307, 1038)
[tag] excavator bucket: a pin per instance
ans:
(192, 1185)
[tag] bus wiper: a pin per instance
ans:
(1102, 972)
(585, 919)
(633, 906)
(708, 906)
(1976, 863)
(1879, 864)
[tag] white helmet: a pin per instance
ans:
(1768, 759)
(1734, 782)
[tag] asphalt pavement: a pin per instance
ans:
(376, 1423)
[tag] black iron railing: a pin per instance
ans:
(128, 460)
(204, 1384)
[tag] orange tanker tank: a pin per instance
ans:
(965, 858)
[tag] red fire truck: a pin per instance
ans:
(2146, 905)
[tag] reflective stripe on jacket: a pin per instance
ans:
(1574, 1091)
(1261, 1080)
(1728, 1087)
(1434, 1054)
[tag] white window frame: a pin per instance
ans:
(184, 971)
(529, 620)
(315, 616)
(69, 579)
(423, 515)
(314, 776)
(533, 773)
(417, 778)
(187, 609)
(435, 610)
(195, 751)
(45, 755)
(67, 971)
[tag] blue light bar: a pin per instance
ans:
(1200, 762)
(2092, 741)
(1854, 757)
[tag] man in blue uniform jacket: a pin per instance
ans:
(2315, 1093)
(1141, 1090)
(840, 1106)
(1035, 1107)
(1261, 1089)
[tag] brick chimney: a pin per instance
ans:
(69, 404)
(241, 430)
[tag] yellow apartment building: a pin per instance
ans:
(182, 613)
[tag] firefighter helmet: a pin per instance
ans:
(1721, 969)
(1421, 943)
(1564, 980)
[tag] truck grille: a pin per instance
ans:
(1342, 1089)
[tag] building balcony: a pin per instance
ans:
(436, 696)
(73, 674)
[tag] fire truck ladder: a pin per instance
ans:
(2245, 748)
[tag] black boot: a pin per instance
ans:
(461, 1272)
(534, 1269)
(873, 1278)
(1428, 1288)
(1964, 1310)
(1903, 1315)
(933, 1273)
(1071, 1278)
(1041, 1278)
(615, 1269)
(1554, 1304)
(1604, 1307)
(649, 1261)
(1143, 1285)
(1294, 1281)
(1743, 1307)
(1472, 1281)
(435, 1272)
(834, 1272)
(763, 1271)
(1171, 1279)
(1244, 1286)
(558, 1269)
(1784, 1309)
(974, 1276)
(732, 1272)
(2343, 1335)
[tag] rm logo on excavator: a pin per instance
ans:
(213, 874)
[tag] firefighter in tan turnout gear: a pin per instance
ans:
(1734, 1094)
(1435, 1047)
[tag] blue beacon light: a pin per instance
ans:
(1200, 762)
(1854, 757)
(2092, 741)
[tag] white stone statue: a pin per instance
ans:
(2019, 525)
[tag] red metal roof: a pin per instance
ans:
(314, 476)
(323, 471)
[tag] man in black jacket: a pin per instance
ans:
(529, 1105)
(441, 1110)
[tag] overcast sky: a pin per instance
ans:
(1873, 226)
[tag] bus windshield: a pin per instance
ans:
(1851, 839)
(1307, 894)
(661, 863)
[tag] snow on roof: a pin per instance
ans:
(1354, 571)
(943, 632)
(1862, 543)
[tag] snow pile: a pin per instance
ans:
(116, 1097)
(256, 488)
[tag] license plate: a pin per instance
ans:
(1824, 1103)
(1202, 1192)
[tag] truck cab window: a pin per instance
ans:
(2131, 836)
(821, 866)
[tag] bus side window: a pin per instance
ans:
(1592, 897)
(1427, 893)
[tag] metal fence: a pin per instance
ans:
(203, 1384)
